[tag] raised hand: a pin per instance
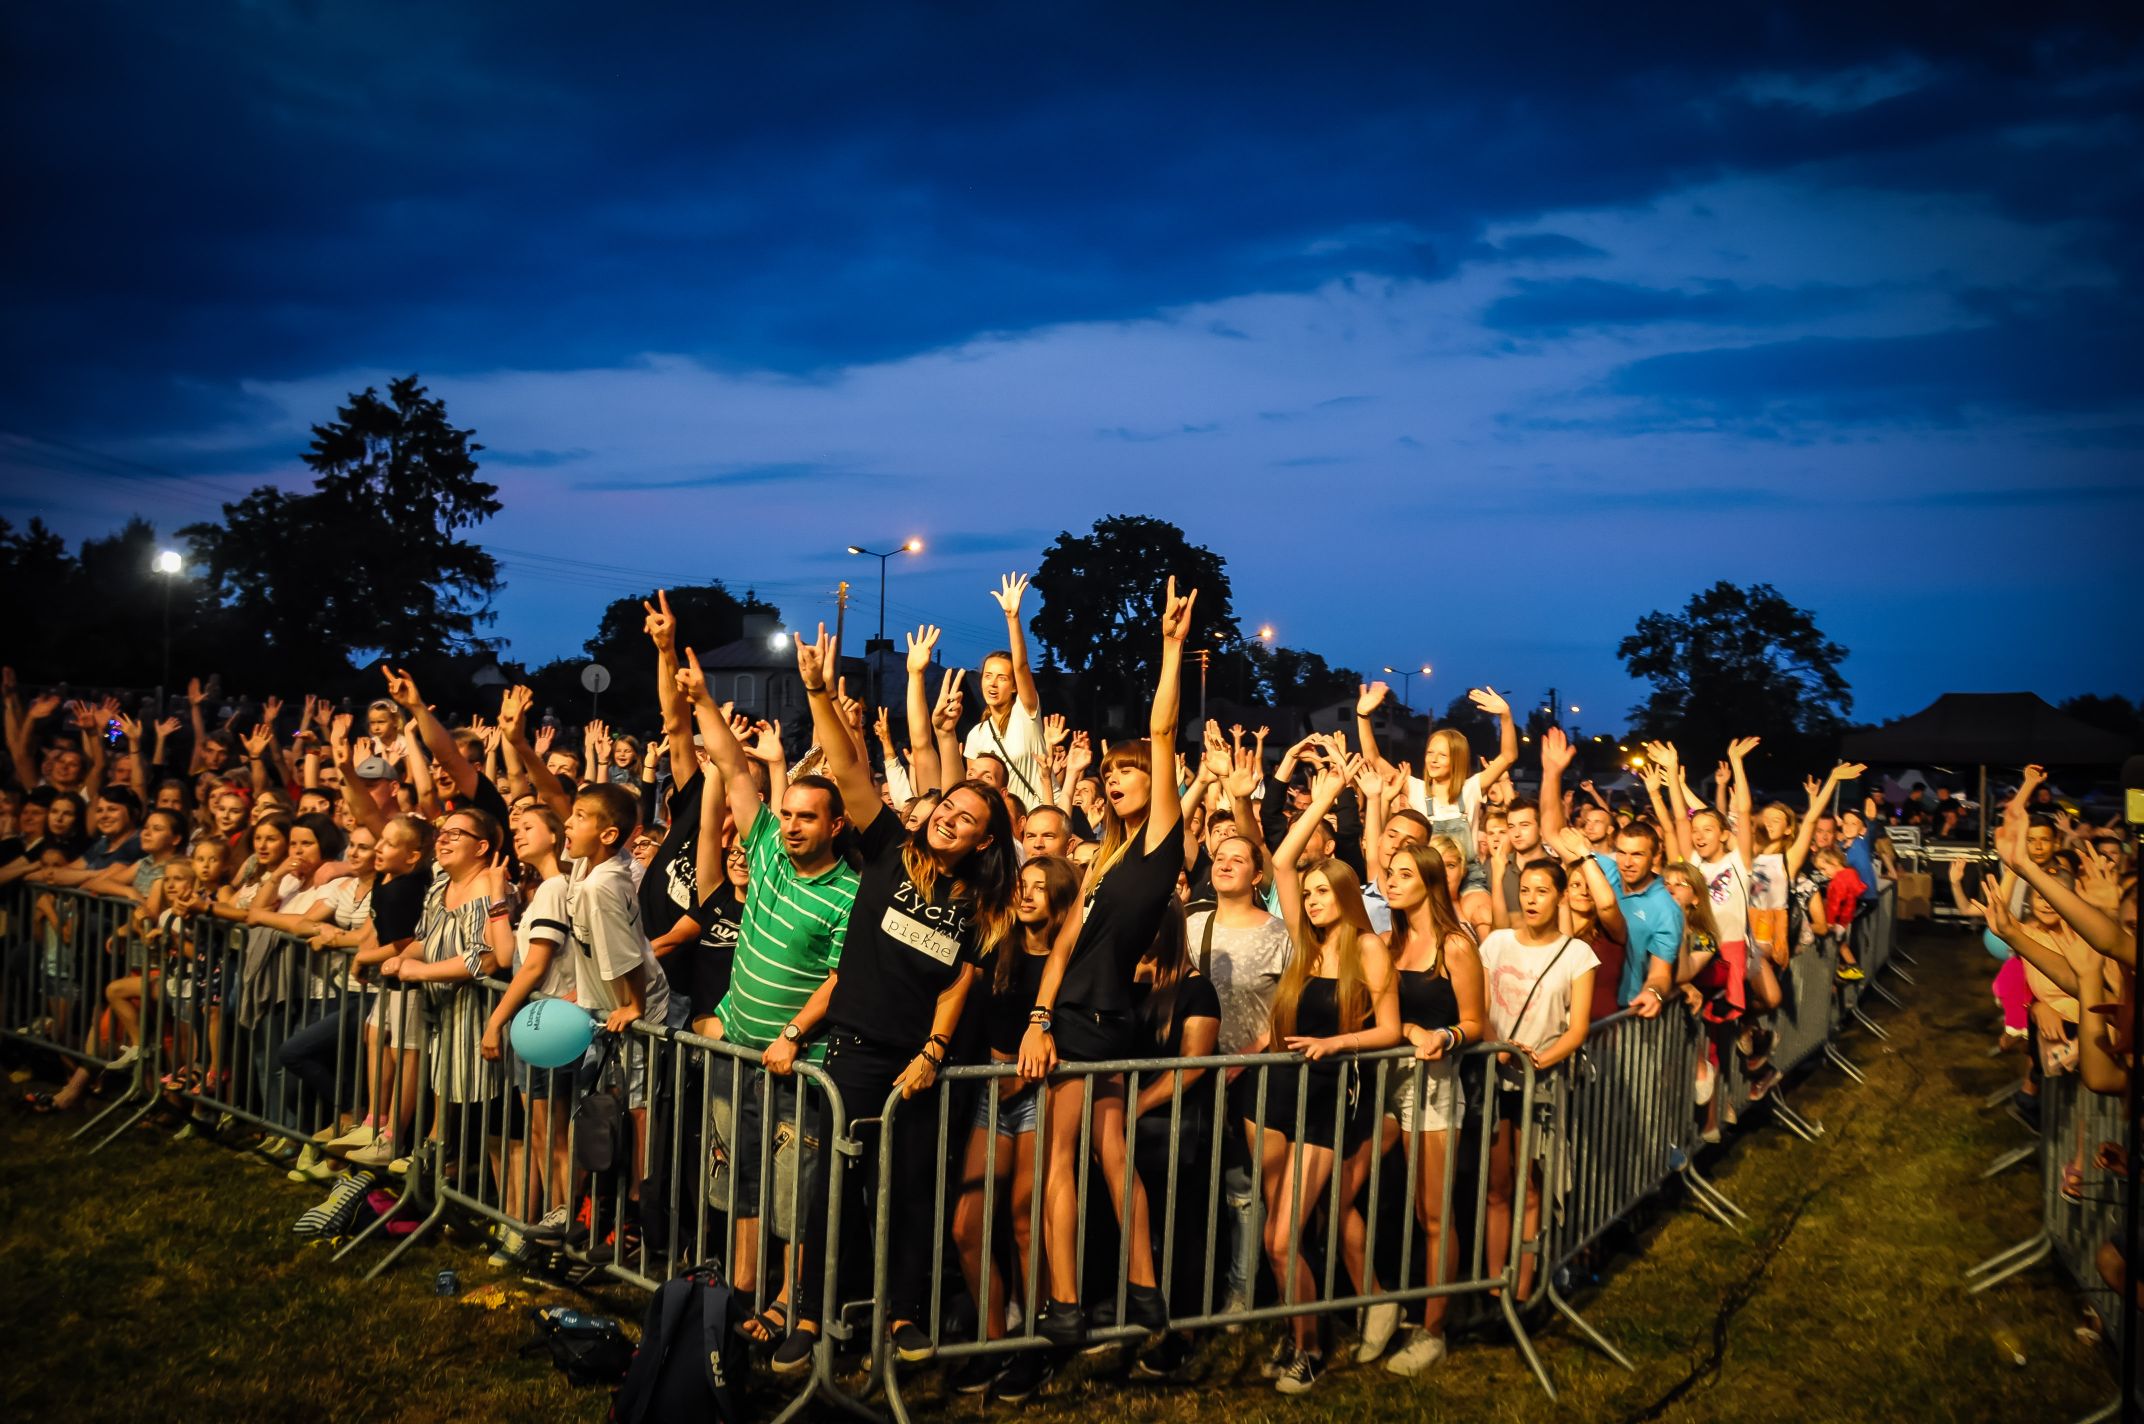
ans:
(1079, 757)
(660, 624)
(1054, 731)
(513, 706)
(312, 704)
(1247, 770)
(766, 743)
(1556, 750)
(271, 709)
(1814, 787)
(815, 660)
(339, 738)
(1570, 844)
(922, 645)
(1741, 747)
(166, 726)
(882, 728)
(1176, 613)
(2034, 775)
(1369, 696)
(690, 680)
(259, 740)
(851, 710)
(130, 729)
(195, 693)
(1010, 588)
(2099, 882)
(1490, 701)
(945, 714)
(402, 688)
(545, 735)
(1850, 770)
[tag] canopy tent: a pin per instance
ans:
(1987, 728)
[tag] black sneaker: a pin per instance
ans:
(1301, 1374)
(1147, 1309)
(912, 1343)
(976, 1374)
(1060, 1323)
(1168, 1355)
(793, 1355)
(1029, 1371)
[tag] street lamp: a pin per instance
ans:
(170, 565)
(1407, 677)
(910, 546)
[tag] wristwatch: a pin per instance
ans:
(791, 1033)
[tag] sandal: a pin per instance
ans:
(2073, 1184)
(769, 1327)
(40, 1103)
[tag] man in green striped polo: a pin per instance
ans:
(794, 915)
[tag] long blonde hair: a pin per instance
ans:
(1352, 993)
(1459, 755)
(1698, 916)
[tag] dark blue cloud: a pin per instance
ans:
(282, 188)
(778, 473)
(1552, 308)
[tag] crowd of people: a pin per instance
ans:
(1017, 892)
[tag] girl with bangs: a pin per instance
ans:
(1084, 1008)
(1445, 793)
(1049, 889)
(1336, 997)
(930, 903)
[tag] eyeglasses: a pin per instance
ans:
(738, 857)
(453, 833)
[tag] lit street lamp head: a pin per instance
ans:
(168, 562)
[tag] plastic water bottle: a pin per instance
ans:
(447, 1283)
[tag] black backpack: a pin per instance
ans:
(691, 1363)
(591, 1349)
(599, 1114)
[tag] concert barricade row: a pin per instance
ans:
(249, 1028)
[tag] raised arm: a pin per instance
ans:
(721, 743)
(1369, 696)
(1819, 793)
(1325, 788)
(1570, 846)
(514, 707)
(661, 627)
(364, 811)
(1557, 754)
(195, 696)
(2100, 929)
(1677, 824)
(1507, 747)
(1739, 803)
(945, 726)
(925, 771)
(452, 765)
(816, 661)
(1010, 588)
(1164, 811)
(1654, 776)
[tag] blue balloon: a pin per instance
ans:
(551, 1033)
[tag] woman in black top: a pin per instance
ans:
(1443, 1008)
(1004, 1149)
(928, 902)
(1083, 1011)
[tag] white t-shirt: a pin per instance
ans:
(1019, 746)
(605, 938)
(1768, 882)
(1510, 970)
(1728, 878)
(545, 919)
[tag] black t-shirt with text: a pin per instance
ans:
(705, 975)
(667, 890)
(1123, 914)
(900, 951)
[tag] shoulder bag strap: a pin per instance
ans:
(1206, 942)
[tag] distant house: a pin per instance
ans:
(758, 673)
(1400, 734)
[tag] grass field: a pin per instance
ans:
(159, 1280)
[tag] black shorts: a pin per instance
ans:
(1093, 1035)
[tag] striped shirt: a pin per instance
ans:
(788, 941)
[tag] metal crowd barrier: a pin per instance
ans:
(2073, 1124)
(1611, 1129)
(1191, 1187)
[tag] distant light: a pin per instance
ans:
(1425, 669)
(856, 548)
(1574, 706)
(168, 562)
(778, 641)
(1265, 632)
(914, 546)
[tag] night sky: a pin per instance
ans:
(1466, 334)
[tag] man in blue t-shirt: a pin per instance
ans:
(1652, 918)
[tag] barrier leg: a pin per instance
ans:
(2016, 1157)
(2004, 1264)
(1895, 968)
(1839, 1060)
(422, 1166)
(1793, 1121)
(1870, 1024)
(1885, 994)
(1585, 1328)
(2000, 1096)
(2109, 1410)
(1710, 1199)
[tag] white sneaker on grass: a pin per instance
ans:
(1422, 1351)
(363, 1135)
(1378, 1324)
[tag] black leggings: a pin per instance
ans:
(863, 1073)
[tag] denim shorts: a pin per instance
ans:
(1016, 1114)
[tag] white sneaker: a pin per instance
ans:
(399, 1166)
(128, 1057)
(377, 1153)
(509, 1248)
(1421, 1351)
(363, 1135)
(1378, 1324)
(311, 1167)
(1301, 1374)
(552, 1226)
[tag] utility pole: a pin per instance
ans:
(1205, 657)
